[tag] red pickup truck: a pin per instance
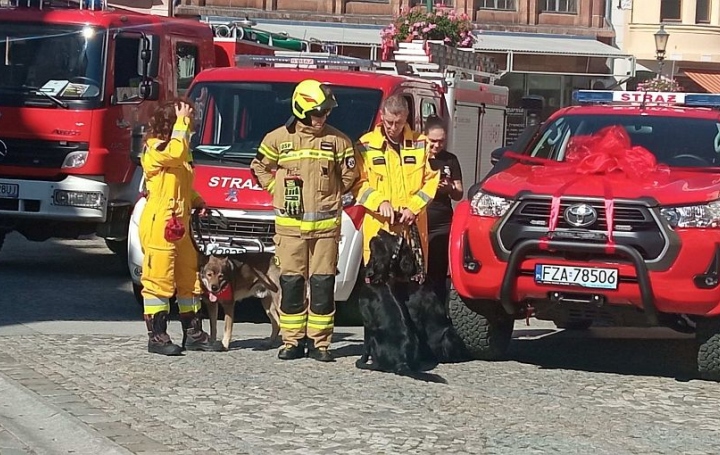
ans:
(609, 214)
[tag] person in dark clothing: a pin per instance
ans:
(440, 209)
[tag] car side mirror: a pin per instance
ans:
(497, 154)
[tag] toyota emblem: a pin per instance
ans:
(581, 215)
(3, 150)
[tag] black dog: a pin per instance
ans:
(391, 339)
(434, 327)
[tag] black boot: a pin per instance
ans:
(321, 354)
(195, 338)
(290, 352)
(158, 340)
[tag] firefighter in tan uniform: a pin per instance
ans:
(315, 166)
(395, 177)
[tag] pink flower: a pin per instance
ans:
(426, 29)
(447, 40)
(432, 26)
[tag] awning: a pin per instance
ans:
(708, 79)
(540, 44)
(336, 33)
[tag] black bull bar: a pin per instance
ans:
(521, 250)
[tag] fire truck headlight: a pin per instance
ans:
(483, 204)
(74, 160)
(85, 199)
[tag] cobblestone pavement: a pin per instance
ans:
(609, 391)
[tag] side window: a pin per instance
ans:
(127, 80)
(427, 108)
(411, 106)
(186, 57)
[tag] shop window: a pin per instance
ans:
(505, 5)
(702, 13)
(670, 10)
(187, 66)
(559, 6)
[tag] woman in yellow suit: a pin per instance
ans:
(170, 264)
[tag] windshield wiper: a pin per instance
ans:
(26, 90)
(57, 101)
(216, 156)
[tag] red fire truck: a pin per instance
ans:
(76, 87)
(238, 106)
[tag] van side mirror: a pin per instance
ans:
(497, 154)
(148, 63)
(150, 90)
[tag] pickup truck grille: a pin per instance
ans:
(633, 225)
(237, 228)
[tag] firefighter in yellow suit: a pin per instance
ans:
(395, 176)
(315, 166)
(170, 266)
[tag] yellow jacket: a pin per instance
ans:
(169, 174)
(406, 180)
(325, 163)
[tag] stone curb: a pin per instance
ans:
(40, 417)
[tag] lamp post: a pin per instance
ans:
(661, 40)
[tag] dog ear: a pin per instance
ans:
(231, 266)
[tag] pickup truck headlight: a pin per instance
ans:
(693, 216)
(483, 204)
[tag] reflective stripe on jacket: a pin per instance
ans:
(324, 161)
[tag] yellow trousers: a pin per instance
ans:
(169, 268)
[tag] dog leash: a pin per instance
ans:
(416, 246)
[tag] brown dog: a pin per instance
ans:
(227, 280)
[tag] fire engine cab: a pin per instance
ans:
(238, 106)
(77, 86)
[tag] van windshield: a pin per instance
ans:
(231, 118)
(675, 141)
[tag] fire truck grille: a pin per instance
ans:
(633, 225)
(37, 153)
(263, 230)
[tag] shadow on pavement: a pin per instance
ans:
(616, 350)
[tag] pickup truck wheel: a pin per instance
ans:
(708, 339)
(483, 325)
(574, 324)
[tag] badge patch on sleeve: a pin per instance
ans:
(350, 162)
(409, 160)
(285, 146)
(328, 146)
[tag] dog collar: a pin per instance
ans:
(223, 294)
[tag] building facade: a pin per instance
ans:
(692, 56)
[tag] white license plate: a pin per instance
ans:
(587, 277)
(221, 250)
(9, 190)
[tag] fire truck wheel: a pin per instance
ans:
(708, 340)
(119, 247)
(483, 325)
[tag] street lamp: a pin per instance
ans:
(661, 40)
